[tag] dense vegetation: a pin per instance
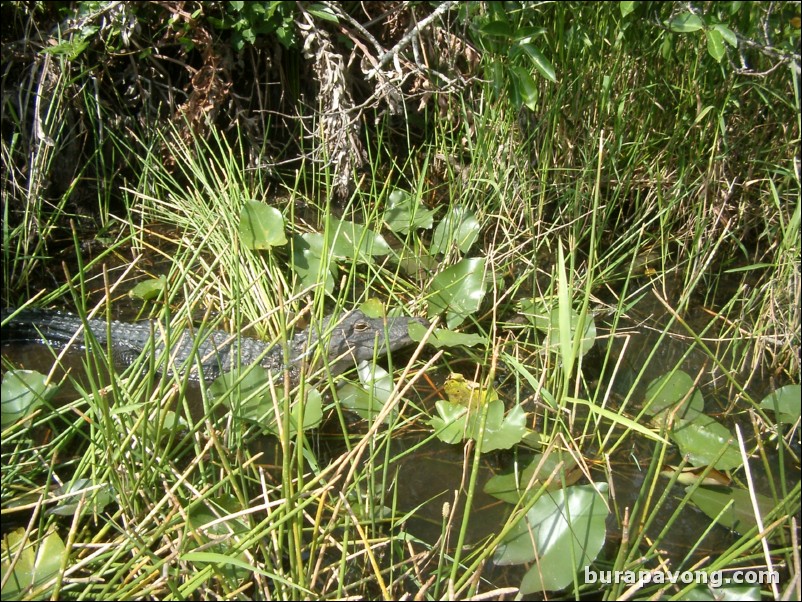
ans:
(596, 205)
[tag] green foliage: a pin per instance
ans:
(249, 20)
(36, 565)
(509, 37)
(562, 533)
(23, 392)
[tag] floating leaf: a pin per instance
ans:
(150, 289)
(547, 321)
(252, 400)
(261, 226)
(565, 531)
(458, 228)
(442, 337)
(740, 515)
(458, 290)
(455, 422)
(348, 240)
(784, 402)
(665, 392)
(96, 498)
(308, 262)
(23, 391)
(369, 399)
(38, 562)
(519, 487)
(405, 213)
(218, 538)
(702, 440)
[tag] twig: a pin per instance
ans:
(404, 42)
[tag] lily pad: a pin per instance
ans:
(253, 401)
(149, 289)
(459, 228)
(308, 262)
(458, 291)
(732, 507)
(455, 422)
(562, 533)
(442, 337)
(348, 240)
(369, 399)
(96, 499)
(546, 319)
(261, 226)
(23, 391)
(665, 392)
(519, 487)
(784, 402)
(702, 440)
(38, 563)
(405, 213)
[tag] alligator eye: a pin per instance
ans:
(361, 326)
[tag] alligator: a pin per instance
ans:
(204, 355)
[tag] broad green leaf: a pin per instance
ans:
(308, 262)
(252, 400)
(455, 422)
(458, 228)
(71, 49)
(443, 337)
(507, 432)
(369, 399)
(95, 499)
(39, 561)
(626, 7)
(23, 391)
(373, 308)
(667, 47)
(149, 289)
(322, 12)
(784, 402)
(715, 45)
(541, 63)
(499, 29)
(404, 213)
(665, 392)
(686, 23)
(449, 424)
(261, 226)
(547, 321)
(740, 516)
(513, 488)
(218, 539)
(350, 240)
(562, 533)
(525, 87)
(702, 440)
(524, 35)
(458, 291)
(726, 34)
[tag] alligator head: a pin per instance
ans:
(355, 337)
